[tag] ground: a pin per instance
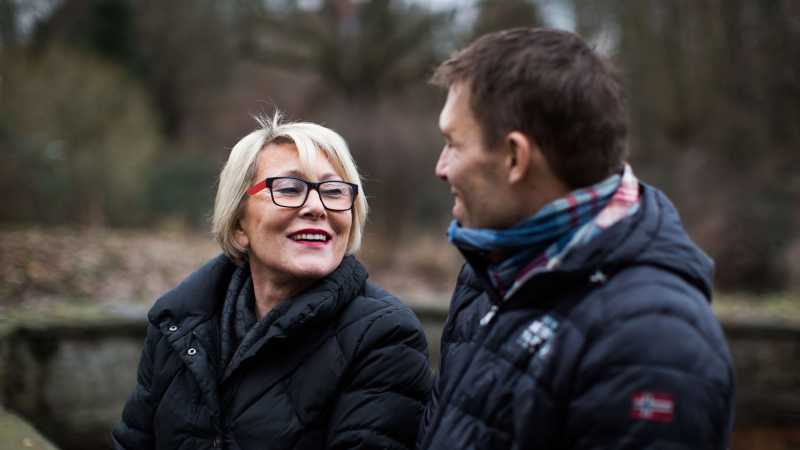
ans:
(47, 268)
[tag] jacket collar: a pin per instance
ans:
(318, 304)
(200, 295)
(196, 299)
(184, 315)
(653, 236)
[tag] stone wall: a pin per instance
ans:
(71, 378)
(767, 361)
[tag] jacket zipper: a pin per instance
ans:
(489, 316)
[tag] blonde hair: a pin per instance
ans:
(239, 172)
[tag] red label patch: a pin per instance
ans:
(652, 406)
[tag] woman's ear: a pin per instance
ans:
(240, 237)
(522, 152)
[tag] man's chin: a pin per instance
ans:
(462, 219)
(457, 215)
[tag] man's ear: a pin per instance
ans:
(522, 153)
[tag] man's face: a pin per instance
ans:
(474, 173)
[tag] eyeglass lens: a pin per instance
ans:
(292, 193)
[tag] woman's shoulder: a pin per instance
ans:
(377, 319)
(375, 303)
(374, 299)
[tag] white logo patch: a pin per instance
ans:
(537, 336)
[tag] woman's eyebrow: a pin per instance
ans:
(327, 176)
(290, 173)
(330, 176)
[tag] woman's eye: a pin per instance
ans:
(332, 192)
(288, 191)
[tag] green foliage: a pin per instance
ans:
(181, 189)
(153, 42)
(79, 138)
(104, 28)
(8, 24)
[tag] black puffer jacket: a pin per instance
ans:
(616, 350)
(343, 365)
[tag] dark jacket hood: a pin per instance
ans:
(653, 236)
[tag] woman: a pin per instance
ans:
(281, 343)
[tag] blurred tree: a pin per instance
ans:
(495, 15)
(713, 89)
(8, 24)
(360, 49)
(79, 137)
(103, 27)
(369, 62)
(180, 189)
(152, 45)
(152, 41)
(186, 56)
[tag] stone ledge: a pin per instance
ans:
(16, 433)
(73, 372)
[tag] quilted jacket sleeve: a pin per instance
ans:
(430, 409)
(659, 378)
(456, 342)
(381, 405)
(135, 430)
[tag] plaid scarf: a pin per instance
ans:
(540, 243)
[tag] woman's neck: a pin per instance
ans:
(270, 290)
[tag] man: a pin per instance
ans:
(581, 318)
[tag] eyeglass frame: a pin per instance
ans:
(267, 184)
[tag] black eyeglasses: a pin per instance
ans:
(291, 192)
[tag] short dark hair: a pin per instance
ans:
(550, 85)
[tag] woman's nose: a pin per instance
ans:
(313, 205)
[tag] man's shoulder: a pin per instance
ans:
(650, 304)
(648, 289)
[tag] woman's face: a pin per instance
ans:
(284, 243)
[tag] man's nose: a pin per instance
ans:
(441, 165)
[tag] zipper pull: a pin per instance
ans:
(489, 315)
(598, 277)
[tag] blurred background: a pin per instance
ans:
(117, 115)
